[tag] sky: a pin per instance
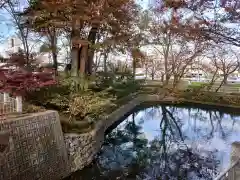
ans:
(143, 3)
(6, 26)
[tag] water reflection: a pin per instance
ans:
(166, 142)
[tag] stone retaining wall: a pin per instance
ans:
(32, 147)
(82, 148)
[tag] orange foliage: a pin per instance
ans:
(111, 15)
(197, 26)
(229, 9)
(174, 3)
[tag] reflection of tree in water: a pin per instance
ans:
(171, 158)
(128, 154)
(180, 163)
(215, 120)
(126, 149)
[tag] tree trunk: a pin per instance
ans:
(53, 40)
(75, 51)
(225, 80)
(26, 47)
(175, 81)
(55, 63)
(134, 68)
(220, 86)
(146, 71)
(91, 38)
(212, 80)
(105, 57)
(83, 58)
(152, 75)
(105, 62)
(162, 77)
(166, 69)
(166, 81)
(74, 61)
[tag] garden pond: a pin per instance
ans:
(166, 142)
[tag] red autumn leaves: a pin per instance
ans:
(17, 77)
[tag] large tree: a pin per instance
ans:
(226, 60)
(83, 20)
(176, 50)
(209, 19)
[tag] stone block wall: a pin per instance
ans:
(32, 147)
(82, 148)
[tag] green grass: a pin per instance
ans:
(234, 84)
(197, 84)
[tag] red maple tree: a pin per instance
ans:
(18, 76)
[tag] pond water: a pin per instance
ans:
(166, 142)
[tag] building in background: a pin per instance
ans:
(13, 44)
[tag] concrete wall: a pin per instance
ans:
(32, 147)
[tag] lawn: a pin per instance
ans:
(234, 84)
(197, 84)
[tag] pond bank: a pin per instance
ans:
(82, 148)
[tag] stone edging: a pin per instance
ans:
(82, 148)
(211, 104)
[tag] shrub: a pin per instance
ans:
(77, 84)
(30, 108)
(211, 97)
(54, 97)
(104, 80)
(17, 76)
(123, 88)
(86, 104)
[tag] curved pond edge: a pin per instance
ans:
(82, 148)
